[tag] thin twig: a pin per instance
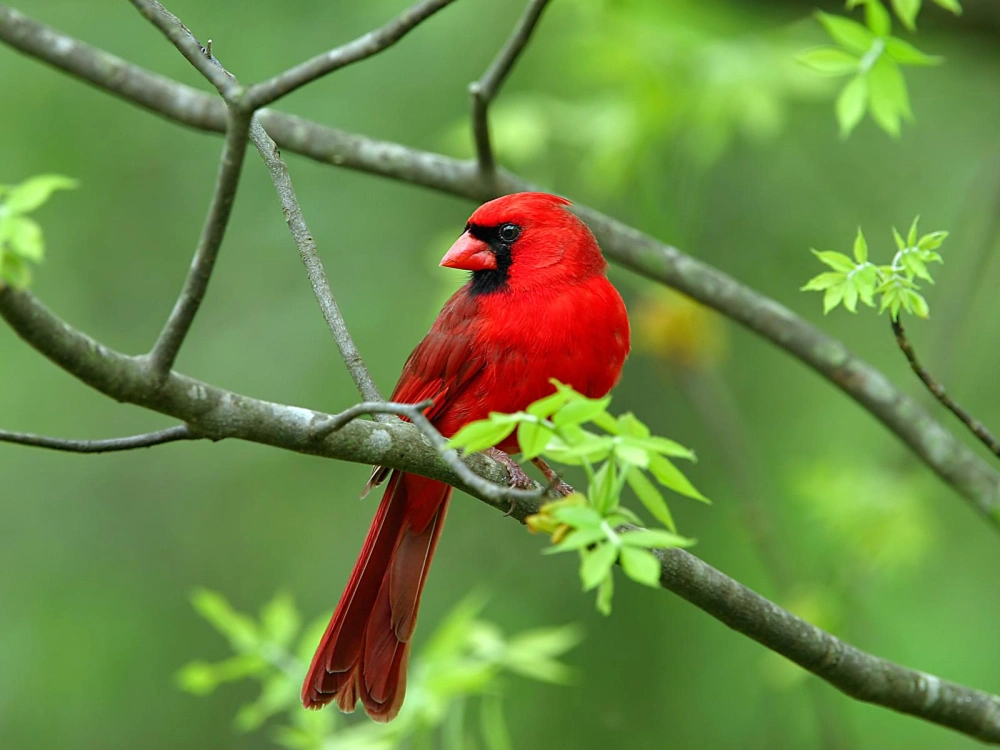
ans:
(298, 227)
(218, 414)
(415, 414)
(975, 426)
(147, 440)
(481, 92)
(164, 352)
(314, 266)
(267, 92)
(185, 42)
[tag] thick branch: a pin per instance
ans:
(164, 352)
(936, 446)
(849, 669)
(215, 413)
(482, 92)
(266, 92)
(976, 427)
(148, 440)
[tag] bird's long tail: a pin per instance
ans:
(364, 651)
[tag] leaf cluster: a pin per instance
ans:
(873, 58)
(21, 240)
(465, 658)
(624, 453)
(857, 279)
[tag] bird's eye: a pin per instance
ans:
(510, 232)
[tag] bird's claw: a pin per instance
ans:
(556, 484)
(518, 479)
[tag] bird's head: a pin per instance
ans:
(524, 240)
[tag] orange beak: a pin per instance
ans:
(469, 254)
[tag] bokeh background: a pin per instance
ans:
(686, 119)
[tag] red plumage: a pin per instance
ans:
(538, 306)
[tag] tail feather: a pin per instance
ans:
(364, 652)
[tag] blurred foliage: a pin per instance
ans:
(674, 327)
(690, 120)
(466, 658)
(21, 238)
(857, 279)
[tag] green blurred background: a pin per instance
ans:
(686, 119)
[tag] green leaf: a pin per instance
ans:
(550, 641)
(900, 242)
(907, 11)
(24, 237)
(641, 565)
(629, 425)
(603, 488)
(836, 261)
(578, 516)
(650, 497)
(878, 18)
(911, 236)
(280, 620)
(596, 565)
(916, 304)
(496, 735)
(914, 265)
(847, 33)
(860, 248)
(235, 626)
(905, 53)
(630, 452)
(887, 95)
(277, 694)
(578, 539)
(671, 477)
(851, 296)
(665, 447)
(533, 437)
(605, 592)
(653, 538)
(477, 436)
(578, 412)
(824, 281)
(544, 408)
(829, 61)
(851, 104)
(932, 241)
(832, 297)
(34, 191)
(953, 5)
(594, 448)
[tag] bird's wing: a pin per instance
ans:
(441, 366)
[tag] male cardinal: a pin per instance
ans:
(537, 306)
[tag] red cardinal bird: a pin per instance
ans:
(537, 306)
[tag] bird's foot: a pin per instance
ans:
(556, 484)
(518, 479)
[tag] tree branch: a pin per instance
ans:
(216, 414)
(934, 444)
(267, 92)
(976, 427)
(173, 27)
(148, 440)
(188, 46)
(482, 92)
(164, 352)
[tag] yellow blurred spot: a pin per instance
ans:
(674, 327)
